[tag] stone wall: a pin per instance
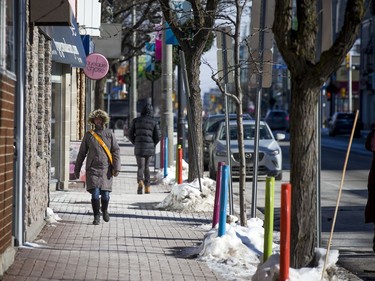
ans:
(37, 131)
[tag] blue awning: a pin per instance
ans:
(67, 45)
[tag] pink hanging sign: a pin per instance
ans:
(97, 66)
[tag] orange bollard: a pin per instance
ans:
(285, 223)
(179, 164)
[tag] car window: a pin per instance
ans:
(276, 114)
(214, 119)
(249, 133)
(345, 116)
(214, 127)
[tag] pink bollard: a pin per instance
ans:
(215, 218)
(285, 223)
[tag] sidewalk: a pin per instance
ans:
(140, 242)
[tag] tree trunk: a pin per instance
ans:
(99, 93)
(303, 172)
(195, 149)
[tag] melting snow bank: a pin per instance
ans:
(51, 217)
(187, 197)
(238, 255)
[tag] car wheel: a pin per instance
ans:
(279, 177)
(212, 172)
(205, 166)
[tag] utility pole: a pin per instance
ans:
(350, 81)
(167, 117)
(133, 97)
(261, 49)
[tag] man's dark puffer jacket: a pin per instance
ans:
(144, 133)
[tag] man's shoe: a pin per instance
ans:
(147, 189)
(141, 185)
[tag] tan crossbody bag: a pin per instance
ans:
(105, 147)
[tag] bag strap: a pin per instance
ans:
(103, 145)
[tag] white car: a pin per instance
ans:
(270, 156)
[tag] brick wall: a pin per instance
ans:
(7, 90)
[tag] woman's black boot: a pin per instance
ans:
(96, 210)
(105, 210)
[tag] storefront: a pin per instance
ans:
(68, 58)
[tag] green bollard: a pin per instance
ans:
(268, 217)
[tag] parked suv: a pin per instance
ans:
(277, 119)
(210, 126)
(270, 154)
(342, 123)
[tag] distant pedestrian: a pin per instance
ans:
(370, 206)
(144, 133)
(100, 147)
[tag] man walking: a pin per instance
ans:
(144, 133)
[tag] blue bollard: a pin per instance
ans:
(223, 200)
(166, 157)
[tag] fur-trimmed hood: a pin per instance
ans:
(98, 113)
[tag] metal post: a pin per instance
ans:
(225, 75)
(350, 81)
(133, 71)
(19, 204)
(167, 117)
(256, 155)
(318, 180)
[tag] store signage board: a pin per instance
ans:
(97, 66)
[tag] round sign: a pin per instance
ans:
(97, 66)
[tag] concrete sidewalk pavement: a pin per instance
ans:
(139, 242)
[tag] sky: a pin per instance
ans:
(206, 81)
(210, 56)
(237, 255)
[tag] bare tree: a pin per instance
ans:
(230, 15)
(297, 44)
(193, 36)
(148, 15)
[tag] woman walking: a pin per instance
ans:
(99, 147)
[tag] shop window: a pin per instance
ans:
(7, 35)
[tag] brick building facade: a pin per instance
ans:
(36, 118)
(7, 99)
